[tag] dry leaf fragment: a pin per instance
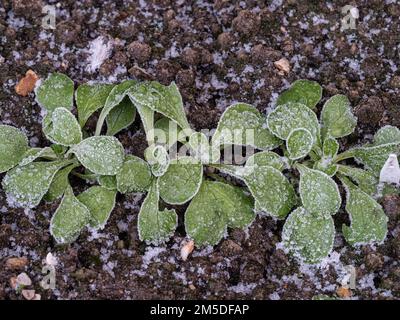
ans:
(282, 65)
(343, 292)
(27, 83)
(187, 249)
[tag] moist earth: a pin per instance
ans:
(218, 52)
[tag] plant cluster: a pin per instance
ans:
(307, 158)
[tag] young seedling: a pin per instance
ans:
(309, 149)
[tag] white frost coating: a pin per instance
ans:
(390, 172)
(99, 49)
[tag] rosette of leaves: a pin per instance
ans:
(309, 149)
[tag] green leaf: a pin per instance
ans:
(147, 117)
(166, 100)
(103, 155)
(27, 185)
(90, 98)
(288, 117)
(330, 148)
(374, 156)
(299, 143)
(100, 203)
(365, 180)
(387, 134)
(115, 97)
(319, 193)
(134, 176)
(158, 159)
(267, 158)
(202, 150)
(108, 182)
(63, 129)
(368, 220)
(308, 236)
(214, 208)
(326, 166)
(13, 145)
(272, 191)
(155, 226)
(181, 181)
(242, 124)
(120, 117)
(69, 219)
(337, 117)
(55, 92)
(306, 92)
(59, 184)
(35, 153)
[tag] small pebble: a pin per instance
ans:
(282, 65)
(23, 280)
(28, 294)
(16, 263)
(26, 85)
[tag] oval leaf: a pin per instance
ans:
(64, 129)
(182, 180)
(319, 193)
(69, 219)
(306, 92)
(365, 180)
(13, 145)
(59, 184)
(202, 150)
(102, 155)
(155, 226)
(55, 92)
(214, 208)
(26, 186)
(90, 98)
(299, 143)
(288, 117)
(120, 117)
(100, 203)
(35, 153)
(368, 220)
(308, 236)
(243, 124)
(134, 176)
(337, 118)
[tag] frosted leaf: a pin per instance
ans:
(120, 117)
(115, 97)
(169, 134)
(13, 145)
(299, 143)
(108, 182)
(69, 219)
(387, 134)
(28, 184)
(35, 153)
(63, 128)
(309, 237)
(100, 202)
(237, 122)
(288, 117)
(373, 156)
(158, 159)
(319, 193)
(368, 220)
(182, 180)
(55, 92)
(337, 117)
(365, 180)
(166, 100)
(90, 98)
(306, 92)
(214, 208)
(390, 172)
(59, 184)
(330, 148)
(267, 158)
(155, 226)
(134, 176)
(103, 155)
(202, 150)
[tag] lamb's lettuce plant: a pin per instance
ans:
(298, 181)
